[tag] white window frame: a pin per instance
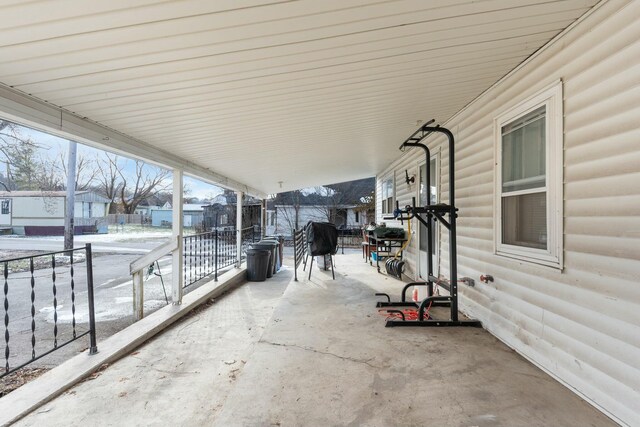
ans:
(551, 98)
(6, 203)
(390, 177)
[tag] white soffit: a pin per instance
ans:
(277, 95)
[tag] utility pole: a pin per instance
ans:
(71, 193)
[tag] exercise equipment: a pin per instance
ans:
(395, 266)
(446, 215)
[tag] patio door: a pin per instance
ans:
(433, 193)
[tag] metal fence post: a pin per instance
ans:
(215, 276)
(295, 256)
(93, 348)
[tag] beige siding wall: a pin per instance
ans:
(582, 325)
(37, 207)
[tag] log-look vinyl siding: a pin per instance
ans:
(581, 324)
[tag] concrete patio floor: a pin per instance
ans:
(317, 353)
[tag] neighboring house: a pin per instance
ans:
(42, 213)
(342, 204)
(146, 210)
(193, 216)
(281, 218)
(222, 211)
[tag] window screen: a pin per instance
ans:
(523, 152)
(524, 205)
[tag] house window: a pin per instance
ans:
(357, 217)
(529, 184)
(5, 206)
(387, 196)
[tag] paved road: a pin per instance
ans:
(113, 304)
(41, 244)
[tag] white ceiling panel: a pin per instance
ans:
(277, 95)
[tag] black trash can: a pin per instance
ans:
(280, 241)
(267, 246)
(277, 261)
(258, 264)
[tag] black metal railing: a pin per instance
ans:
(208, 253)
(299, 250)
(226, 252)
(198, 256)
(250, 235)
(350, 238)
(26, 279)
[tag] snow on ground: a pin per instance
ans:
(127, 234)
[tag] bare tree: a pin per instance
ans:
(358, 195)
(23, 166)
(25, 169)
(108, 178)
(147, 182)
(291, 217)
(49, 177)
(326, 204)
(86, 171)
(10, 136)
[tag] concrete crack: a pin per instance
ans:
(164, 371)
(196, 319)
(350, 359)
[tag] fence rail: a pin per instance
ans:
(208, 253)
(118, 219)
(350, 238)
(21, 271)
(299, 250)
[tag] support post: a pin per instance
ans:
(239, 228)
(71, 193)
(138, 295)
(177, 270)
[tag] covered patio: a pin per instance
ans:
(267, 96)
(316, 352)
